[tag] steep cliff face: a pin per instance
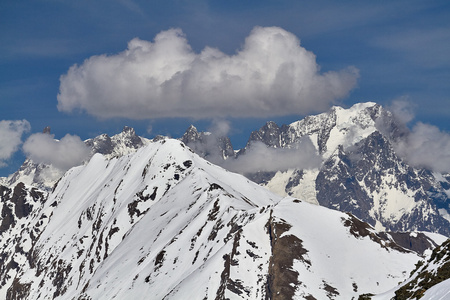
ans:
(22, 220)
(162, 221)
(361, 171)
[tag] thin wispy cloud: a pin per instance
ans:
(272, 75)
(220, 127)
(132, 6)
(428, 48)
(42, 48)
(11, 132)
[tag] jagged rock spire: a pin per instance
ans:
(47, 130)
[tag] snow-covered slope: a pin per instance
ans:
(429, 280)
(164, 223)
(440, 291)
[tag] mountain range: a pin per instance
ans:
(154, 219)
(359, 170)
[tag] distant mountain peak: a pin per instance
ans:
(46, 130)
(128, 129)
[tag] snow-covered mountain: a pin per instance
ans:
(163, 223)
(361, 171)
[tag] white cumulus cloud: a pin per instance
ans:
(272, 75)
(11, 132)
(61, 154)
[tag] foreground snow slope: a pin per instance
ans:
(429, 280)
(163, 223)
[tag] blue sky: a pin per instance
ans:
(400, 50)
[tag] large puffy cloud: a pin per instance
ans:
(11, 137)
(61, 154)
(271, 75)
(426, 146)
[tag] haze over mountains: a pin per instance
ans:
(339, 194)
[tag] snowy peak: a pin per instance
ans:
(120, 144)
(336, 127)
(269, 134)
(360, 171)
(192, 135)
(327, 131)
(163, 186)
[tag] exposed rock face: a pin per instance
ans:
(361, 172)
(270, 134)
(415, 241)
(282, 277)
(120, 144)
(19, 231)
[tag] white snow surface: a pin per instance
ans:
(166, 224)
(429, 268)
(349, 264)
(440, 291)
(305, 189)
